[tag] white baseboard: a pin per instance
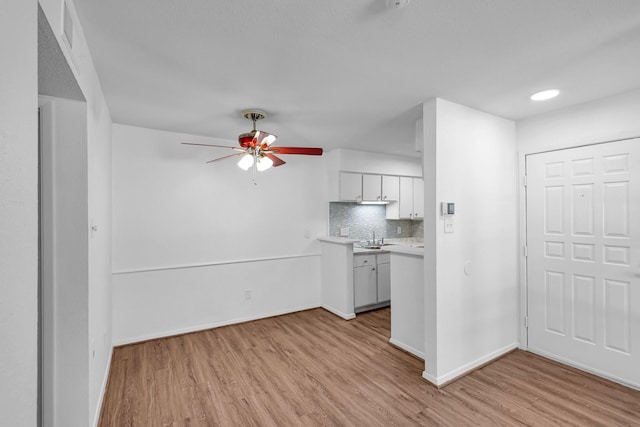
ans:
(465, 369)
(203, 327)
(585, 368)
(103, 390)
(338, 313)
(407, 348)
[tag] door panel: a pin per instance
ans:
(583, 263)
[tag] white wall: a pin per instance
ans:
(476, 168)
(98, 140)
(407, 296)
(191, 237)
(603, 120)
(65, 234)
(337, 279)
(18, 213)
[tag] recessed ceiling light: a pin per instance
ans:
(545, 94)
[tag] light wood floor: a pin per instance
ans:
(313, 368)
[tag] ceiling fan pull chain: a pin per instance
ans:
(255, 166)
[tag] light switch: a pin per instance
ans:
(448, 225)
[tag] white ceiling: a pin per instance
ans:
(352, 73)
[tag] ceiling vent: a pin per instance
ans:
(397, 4)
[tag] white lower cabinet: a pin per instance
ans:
(384, 281)
(371, 280)
(364, 286)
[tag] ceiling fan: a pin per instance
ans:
(256, 147)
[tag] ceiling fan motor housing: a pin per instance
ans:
(245, 139)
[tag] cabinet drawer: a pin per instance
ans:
(384, 258)
(364, 260)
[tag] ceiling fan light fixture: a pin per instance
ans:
(246, 162)
(264, 163)
(270, 139)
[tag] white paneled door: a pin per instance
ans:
(583, 263)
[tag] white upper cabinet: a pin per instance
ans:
(390, 188)
(350, 187)
(384, 188)
(404, 193)
(418, 198)
(406, 197)
(411, 203)
(371, 187)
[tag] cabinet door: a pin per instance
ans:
(418, 198)
(406, 197)
(350, 186)
(371, 187)
(364, 286)
(384, 282)
(390, 188)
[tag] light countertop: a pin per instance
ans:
(406, 250)
(340, 240)
(407, 246)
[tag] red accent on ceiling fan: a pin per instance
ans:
(277, 161)
(245, 139)
(309, 151)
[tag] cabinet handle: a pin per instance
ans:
(365, 261)
(373, 269)
(378, 198)
(384, 198)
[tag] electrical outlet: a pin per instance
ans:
(399, 231)
(344, 231)
(248, 294)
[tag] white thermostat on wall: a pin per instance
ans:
(447, 208)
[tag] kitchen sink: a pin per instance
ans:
(376, 246)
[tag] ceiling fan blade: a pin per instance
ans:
(309, 151)
(277, 161)
(263, 139)
(209, 145)
(225, 157)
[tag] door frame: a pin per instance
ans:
(522, 238)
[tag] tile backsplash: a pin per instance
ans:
(363, 219)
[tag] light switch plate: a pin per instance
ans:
(448, 225)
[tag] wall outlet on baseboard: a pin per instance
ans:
(248, 294)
